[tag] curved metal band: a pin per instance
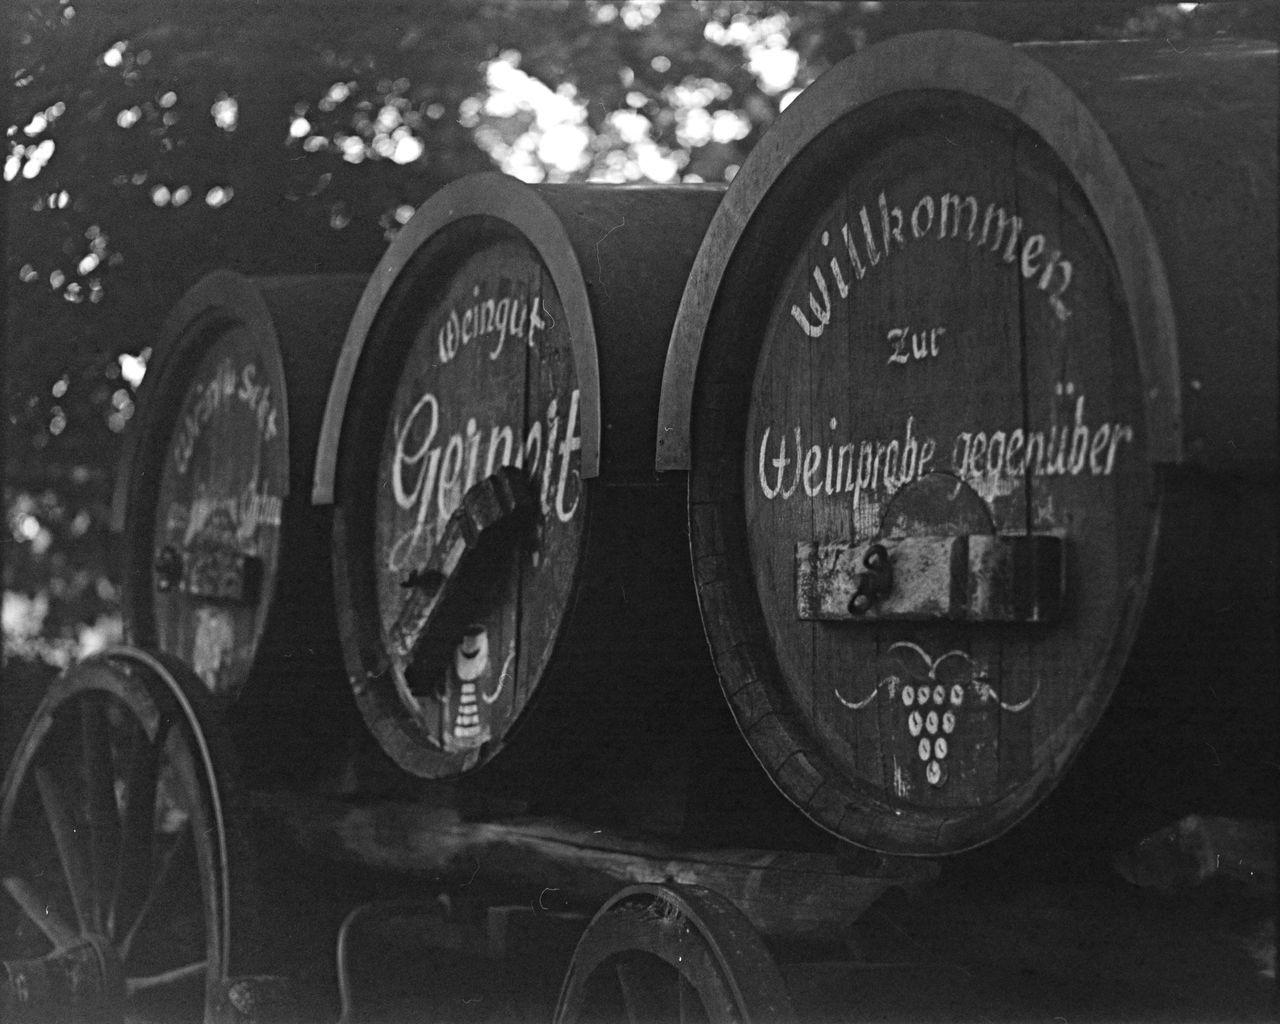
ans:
(976, 66)
(485, 195)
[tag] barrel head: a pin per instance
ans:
(921, 346)
(466, 373)
(203, 492)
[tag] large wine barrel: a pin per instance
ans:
(503, 550)
(972, 330)
(225, 563)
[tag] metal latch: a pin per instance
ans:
(966, 578)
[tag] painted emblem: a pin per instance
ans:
(466, 725)
(933, 693)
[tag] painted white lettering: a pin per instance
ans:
(989, 459)
(553, 421)
(1056, 262)
(917, 229)
(891, 453)
(500, 312)
(472, 444)
(873, 257)
(846, 457)
(910, 453)
(866, 471)
(821, 312)
(506, 436)
(995, 453)
(841, 285)
(1031, 249)
(854, 261)
(1013, 457)
(494, 319)
(891, 224)
(1119, 432)
(765, 489)
(227, 388)
(536, 322)
(429, 474)
(407, 497)
(927, 447)
(907, 344)
(1097, 447)
(468, 327)
(449, 494)
(898, 339)
(572, 443)
(812, 463)
(955, 203)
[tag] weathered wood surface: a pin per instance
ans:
(509, 326)
(781, 893)
(933, 304)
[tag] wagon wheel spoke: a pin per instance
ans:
(71, 853)
(137, 845)
(98, 765)
(39, 913)
(116, 848)
(134, 986)
(158, 884)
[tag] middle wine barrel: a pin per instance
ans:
(501, 540)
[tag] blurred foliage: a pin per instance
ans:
(149, 142)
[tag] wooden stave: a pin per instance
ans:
(801, 771)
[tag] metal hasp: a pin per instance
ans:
(211, 573)
(966, 578)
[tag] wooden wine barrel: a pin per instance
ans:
(225, 563)
(972, 330)
(503, 549)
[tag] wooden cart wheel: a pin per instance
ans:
(115, 852)
(672, 954)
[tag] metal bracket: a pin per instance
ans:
(965, 578)
(210, 572)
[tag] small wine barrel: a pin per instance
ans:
(969, 322)
(225, 563)
(499, 533)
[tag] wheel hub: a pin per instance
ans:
(80, 982)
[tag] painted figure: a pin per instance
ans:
(465, 720)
